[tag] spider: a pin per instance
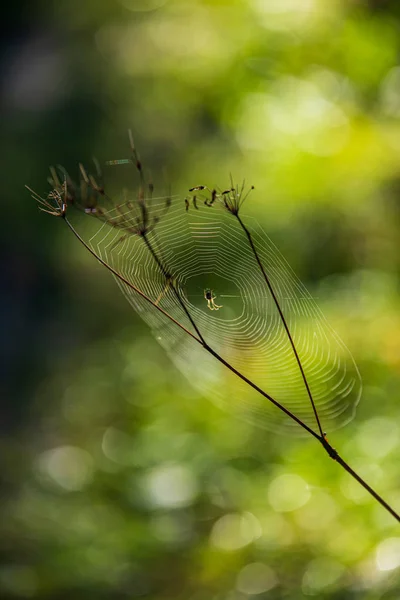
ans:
(209, 296)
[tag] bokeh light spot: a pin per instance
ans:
(378, 437)
(171, 486)
(234, 531)
(288, 492)
(388, 554)
(117, 446)
(71, 468)
(318, 513)
(256, 578)
(321, 573)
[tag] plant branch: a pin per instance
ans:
(282, 317)
(367, 487)
(126, 282)
(199, 339)
(322, 438)
(168, 278)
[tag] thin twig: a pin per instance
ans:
(206, 346)
(284, 322)
(321, 438)
(126, 282)
(332, 452)
(168, 277)
(60, 210)
(199, 339)
(367, 487)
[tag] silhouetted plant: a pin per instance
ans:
(253, 336)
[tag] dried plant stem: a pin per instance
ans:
(168, 278)
(214, 353)
(200, 339)
(282, 317)
(322, 438)
(126, 282)
(365, 485)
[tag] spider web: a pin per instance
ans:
(206, 250)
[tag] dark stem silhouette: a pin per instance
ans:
(282, 317)
(199, 338)
(56, 204)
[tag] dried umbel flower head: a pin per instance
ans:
(55, 203)
(135, 216)
(232, 198)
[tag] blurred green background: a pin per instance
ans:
(118, 480)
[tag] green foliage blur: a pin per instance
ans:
(118, 479)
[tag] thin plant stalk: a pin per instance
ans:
(332, 452)
(284, 322)
(60, 210)
(199, 339)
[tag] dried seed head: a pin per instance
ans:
(231, 198)
(132, 216)
(55, 203)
